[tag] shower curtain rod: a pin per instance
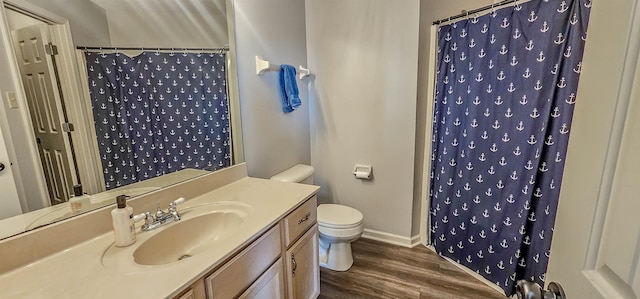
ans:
(222, 49)
(465, 14)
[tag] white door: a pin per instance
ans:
(46, 109)
(9, 200)
(596, 247)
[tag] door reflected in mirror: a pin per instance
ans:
(118, 111)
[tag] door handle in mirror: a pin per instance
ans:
(1, 167)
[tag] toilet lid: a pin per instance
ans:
(338, 216)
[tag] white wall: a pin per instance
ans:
(87, 20)
(275, 30)
(166, 23)
(364, 54)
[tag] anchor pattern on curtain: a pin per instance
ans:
(505, 94)
(158, 113)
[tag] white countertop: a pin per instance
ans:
(78, 272)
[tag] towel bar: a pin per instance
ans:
(264, 65)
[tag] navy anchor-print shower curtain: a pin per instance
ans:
(158, 113)
(505, 94)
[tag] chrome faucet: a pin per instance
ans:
(161, 217)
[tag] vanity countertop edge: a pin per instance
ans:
(78, 271)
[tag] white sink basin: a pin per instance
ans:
(201, 228)
(186, 238)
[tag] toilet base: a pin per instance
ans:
(335, 256)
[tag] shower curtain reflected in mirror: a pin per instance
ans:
(505, 94)
(157, 113)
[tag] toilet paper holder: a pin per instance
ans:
(363, 172)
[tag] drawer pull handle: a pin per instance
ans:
(305, 218)
(295, 265)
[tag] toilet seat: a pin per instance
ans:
(338, 216)
(340, 234)
(337, 226)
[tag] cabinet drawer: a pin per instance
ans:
(296, 223)
(237, 274)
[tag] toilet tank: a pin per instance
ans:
(300, 173)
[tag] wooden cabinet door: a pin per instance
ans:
(303, 272)
(269, 286)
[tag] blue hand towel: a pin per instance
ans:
(289, 88)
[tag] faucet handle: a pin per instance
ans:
(172, 208)
(139, 217)
(142, 216)
(178, 201)
(173, 204)
(159, 212)
(148, 218)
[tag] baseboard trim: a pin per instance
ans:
(470, 272)
(391, 238)
(415, 241)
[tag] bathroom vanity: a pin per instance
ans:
(284, 260)
(238, 237)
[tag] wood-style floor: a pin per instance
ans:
(382, 270)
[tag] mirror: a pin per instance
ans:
(89, 116)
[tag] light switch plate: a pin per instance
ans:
(11, 99)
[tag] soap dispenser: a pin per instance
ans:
(79, 202)
(123, 224)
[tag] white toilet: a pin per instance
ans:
(338, 225)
